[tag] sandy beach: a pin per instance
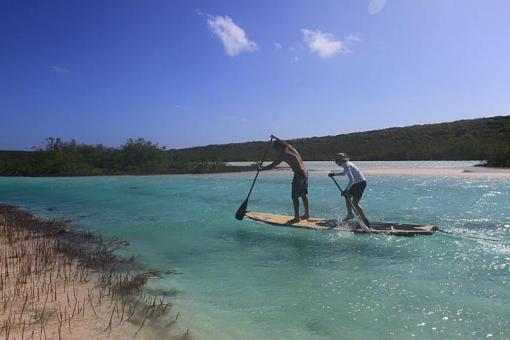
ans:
(479, 172)
(471, 172)
(60, 284)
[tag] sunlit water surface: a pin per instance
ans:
(245, 280)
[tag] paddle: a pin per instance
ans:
(242, 209)
(361, 222)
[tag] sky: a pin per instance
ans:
(188, 73)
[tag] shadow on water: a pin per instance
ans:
(316, 326)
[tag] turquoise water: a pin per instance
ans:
(244, 280)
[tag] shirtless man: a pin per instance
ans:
(289, 155)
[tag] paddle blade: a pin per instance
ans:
(242, 210)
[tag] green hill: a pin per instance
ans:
(473, 139)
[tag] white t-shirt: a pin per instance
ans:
(353, 173)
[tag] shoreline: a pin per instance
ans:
(437, 172)
(463, 172)
(59, 283)
(479, 170)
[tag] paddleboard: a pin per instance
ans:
(395, 229)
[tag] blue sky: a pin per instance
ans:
(187, 73)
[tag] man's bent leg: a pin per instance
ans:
(348, 205)
(359, 209)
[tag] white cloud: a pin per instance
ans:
(376, 6)
(233, 37)
(277, 46)
(323, 44)
(60, 70)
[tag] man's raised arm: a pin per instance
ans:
(270, 166)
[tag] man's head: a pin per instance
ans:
(279, 145)
(341, 158)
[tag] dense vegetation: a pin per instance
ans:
(474, 139)
(60, 158)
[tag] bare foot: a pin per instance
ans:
(305, 217)
(294, 220)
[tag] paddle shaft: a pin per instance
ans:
(258, 170)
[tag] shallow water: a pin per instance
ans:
(245, 280)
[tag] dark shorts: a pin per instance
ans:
(300, 184)
(357, 189)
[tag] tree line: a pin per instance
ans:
(474, 139)
(69, 158)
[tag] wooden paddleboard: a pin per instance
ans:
(353, 226)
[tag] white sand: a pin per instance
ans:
(469, 172)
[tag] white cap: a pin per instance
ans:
(341, 157)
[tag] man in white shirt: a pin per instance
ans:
(355, 188)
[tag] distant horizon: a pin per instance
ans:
(250, 141)
(197, 72)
